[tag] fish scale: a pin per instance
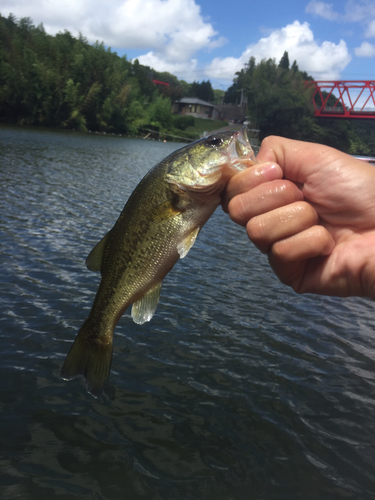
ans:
(158, 225)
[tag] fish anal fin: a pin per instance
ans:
(185, 245)
(89, 359)
(144, 309)
(95, 257)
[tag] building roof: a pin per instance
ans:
(195, 100)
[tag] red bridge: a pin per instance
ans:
(343, 99)
(158, 82)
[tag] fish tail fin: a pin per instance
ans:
(89, 359)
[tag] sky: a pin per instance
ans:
(212, 39)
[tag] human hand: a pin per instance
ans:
(311, 208)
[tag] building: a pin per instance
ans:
(195, 107)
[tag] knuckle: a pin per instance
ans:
(309, 212)
(237, 210)
(257, 229)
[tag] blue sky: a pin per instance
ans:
(212, 39)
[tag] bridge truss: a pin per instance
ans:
(343, 99)
(158, 82)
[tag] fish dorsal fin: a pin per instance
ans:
(144, 309)
(185, 245)
(95, 257)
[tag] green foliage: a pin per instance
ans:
(203, 125)
(284, 61)
(160, 113)
(183, 122)
(64, 81)
(136, 117)
(218, 96)
(280, 103)
(366, 131)
(202, 90)
(73, 100)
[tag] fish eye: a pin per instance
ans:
(214, 141)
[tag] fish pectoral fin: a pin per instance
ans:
(185, 245)
(95, 257)
(144, 309)
(164, 212)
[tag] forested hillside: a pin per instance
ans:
(280, 103)
(63, 81)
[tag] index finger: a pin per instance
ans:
(249, 179)
(298, 159)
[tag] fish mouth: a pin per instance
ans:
(224, 154)
(238, 156)
(240, 153)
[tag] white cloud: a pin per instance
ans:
(157, 24)
(365, 50)
(56, 16)
(170, 34)
(172, 31)
(175, 27)
(357, 11)
(225, 68)
(370, 30)
(323, 62)
(354, 10)
(322, 9)
(186, 70)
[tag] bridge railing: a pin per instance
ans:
(343, 99)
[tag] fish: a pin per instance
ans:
(158, 226)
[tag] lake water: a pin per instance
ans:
(237, 389)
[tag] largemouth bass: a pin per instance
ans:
(158, 225)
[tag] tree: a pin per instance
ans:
(160, 113)
(63, 81)
(280, 103)
(284, 61)
(202, 91)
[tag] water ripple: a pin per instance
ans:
(237, 388)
